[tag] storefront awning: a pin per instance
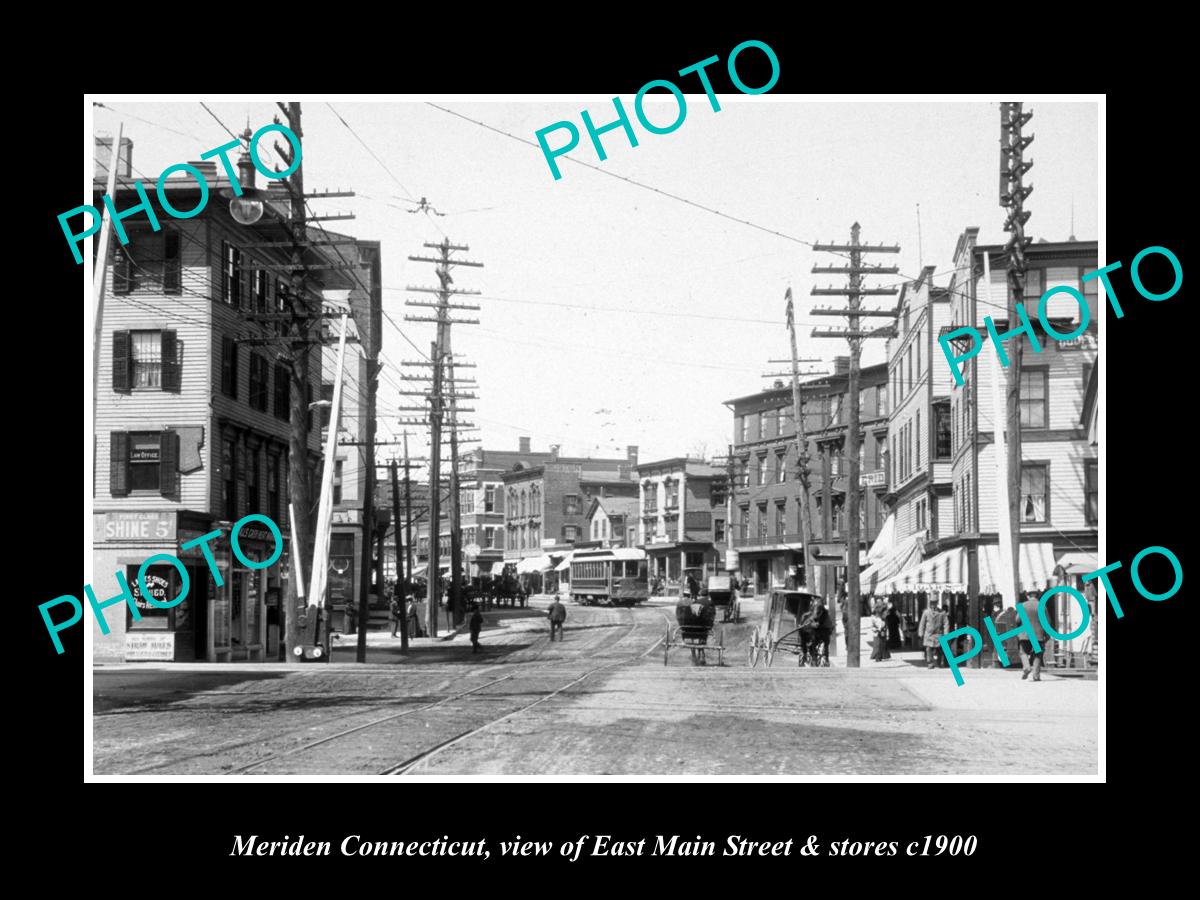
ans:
(531, 564)
(948, 571)
(1078, 563)
(418, 571)
(900, 558)
(565, 564)
(885, 541)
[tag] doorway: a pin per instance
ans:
(762, 575)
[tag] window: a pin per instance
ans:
(123, 277)
(1035, 492)
(895, 462)
(524, 497)
(718, 531)
(489, 499)
(535, 534)
(253, 482)
(258, 382)
(632, 539)
(229, 367)
(762, 426)
(941, 431)
(968, 504)
(761, 478)
(144, 459)
(1091, 491)
(1033, 397)
(780, 466)
(780, 519)
(671, 492)
(908, 381)
(283, 393)
(881, 407)
(273, 486)
(570, 532)
(604, 528)
(917, 442)
(228, 480)
(917, 345)
(172, 277)
(146, 349)
(761, 521)
(337, 481)
(259, 291)
(595, 529)
(231, 287)
(920, 514)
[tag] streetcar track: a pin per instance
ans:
(522, 670)
(407, 765)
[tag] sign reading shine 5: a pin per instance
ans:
(134, 526)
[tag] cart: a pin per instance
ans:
(724, 597)
(694, 625)
(781, 630)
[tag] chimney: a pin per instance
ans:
(554, 450)
(104, 148)
(841, 365)
(524, 445)
(631, 453)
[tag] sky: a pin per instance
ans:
(613, 314)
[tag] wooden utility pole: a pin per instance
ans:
(456, 600)
(408, 541)
(854, 293)
(401, 576)
(299, 480)
(801, 449)
(438, 396)
(368, 511)
(1013, 192)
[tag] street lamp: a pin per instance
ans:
(245, 200)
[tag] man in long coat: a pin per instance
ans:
(1032, 661)
(931, 627)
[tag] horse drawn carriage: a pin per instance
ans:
(694, 621)
(793, 622)
(723, 595)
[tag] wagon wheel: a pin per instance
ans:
(752, 656)
(771, 647)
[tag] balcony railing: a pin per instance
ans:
(767, 540)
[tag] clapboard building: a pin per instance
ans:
(192, 419)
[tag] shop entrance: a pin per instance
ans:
(197, 611)
(762, 576)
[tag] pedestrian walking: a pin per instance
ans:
(693, 586)
(879, 630)
(476, 625)
(1031, 661)
(396, 613)
(893, 626)
(557, 615)
(929, 629)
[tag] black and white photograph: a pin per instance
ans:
(705, 432)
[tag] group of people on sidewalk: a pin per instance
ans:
(935, 622)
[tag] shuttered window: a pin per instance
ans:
(172, 280)
(145, 360)
(283, 392)
(122, 271)
(229, 369)
(146, 461)
(258, 382)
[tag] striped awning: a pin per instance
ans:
(900, 558)
(948, 571)
(1078, 563)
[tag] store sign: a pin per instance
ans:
(134, 526)
(872, 479)
(347, 516)
(147, 645)
(158, 583)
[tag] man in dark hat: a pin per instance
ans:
(476, 626)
